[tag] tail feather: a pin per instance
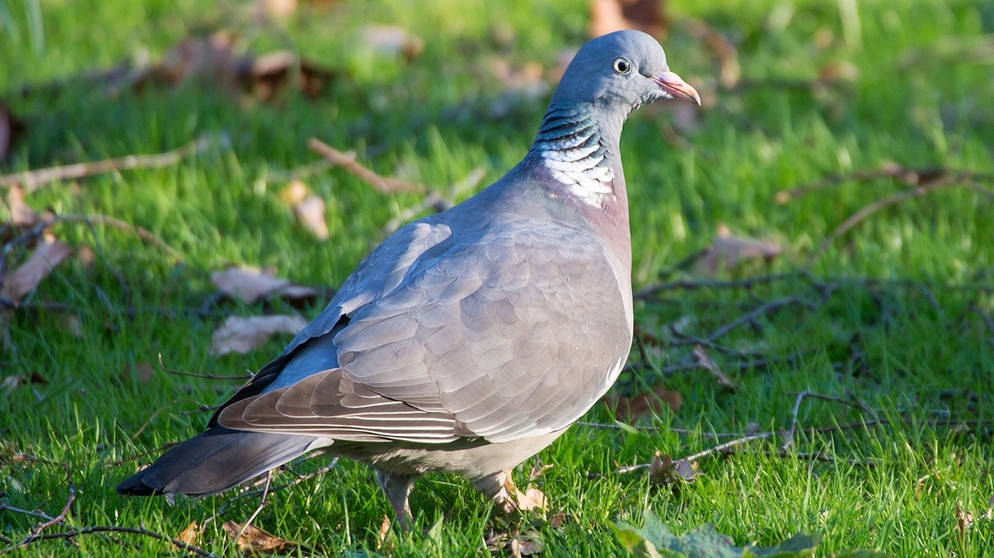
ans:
(214, 461)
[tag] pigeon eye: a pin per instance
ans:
(622, 66)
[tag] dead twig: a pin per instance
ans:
(258, 509)
(232, 377)
(724, 448)
(761, 310)
(37, 529)
(284, 486)
(142, 233)
(36, 533)
(856, 218)
(32, 180)
(820, 457)
(74, 533)
(908, 176)
(349, 163)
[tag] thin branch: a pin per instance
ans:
(12, 509)
(284, 486)
(36, 530)
(856, 218)
(723, 448)
(349, 163)
(763, 309)
(73, 533)
(142, 233)
(32, 180)
(909, 176)
(258, 509)
(232, 377)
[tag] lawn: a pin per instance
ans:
(812, 250)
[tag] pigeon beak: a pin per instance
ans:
(674, 85)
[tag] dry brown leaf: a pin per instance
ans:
(250, 284)
(308, 208)
(20, 214)
(11, 382)
(255, 540)
(143, 371)
(21, 281)
(838, 71)
(526, 544)
(531, 499)
(704, 359)
(241, 335)
(190, 534)
(607, 16)
(727, 251)
(279, 9)
(663, 470)
(381, 535)
(74, 326)
(964, 520)
(392, 40)
(310, 213)
(648, 403)
(294, 192)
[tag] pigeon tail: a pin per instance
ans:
(215, 461)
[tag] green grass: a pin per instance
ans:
(896, 314)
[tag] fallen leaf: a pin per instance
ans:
(310, 213)
(527, 544)
(381, 535)
(663, 470)
(280, 9)
(142, 371)
(214, 61)
(74, 326)
(20, 214)
(647, 403)
(964, 520)
(250, 284)
(727, 252)
(704, 359)
(607, 16)
(190, 534)
(307, 207)
(531, 499)
(838, 71)
(294, 192)
(21, 281)
(255, 540)
(392, 40)
(241, 335)
(11, 382)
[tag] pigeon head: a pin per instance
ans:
(621, 71)
(578, 142)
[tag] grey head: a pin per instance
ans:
(617, 73)
(577, 146)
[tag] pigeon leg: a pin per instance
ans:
(397, 487)
(500, 488)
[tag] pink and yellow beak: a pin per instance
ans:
(674, 85)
